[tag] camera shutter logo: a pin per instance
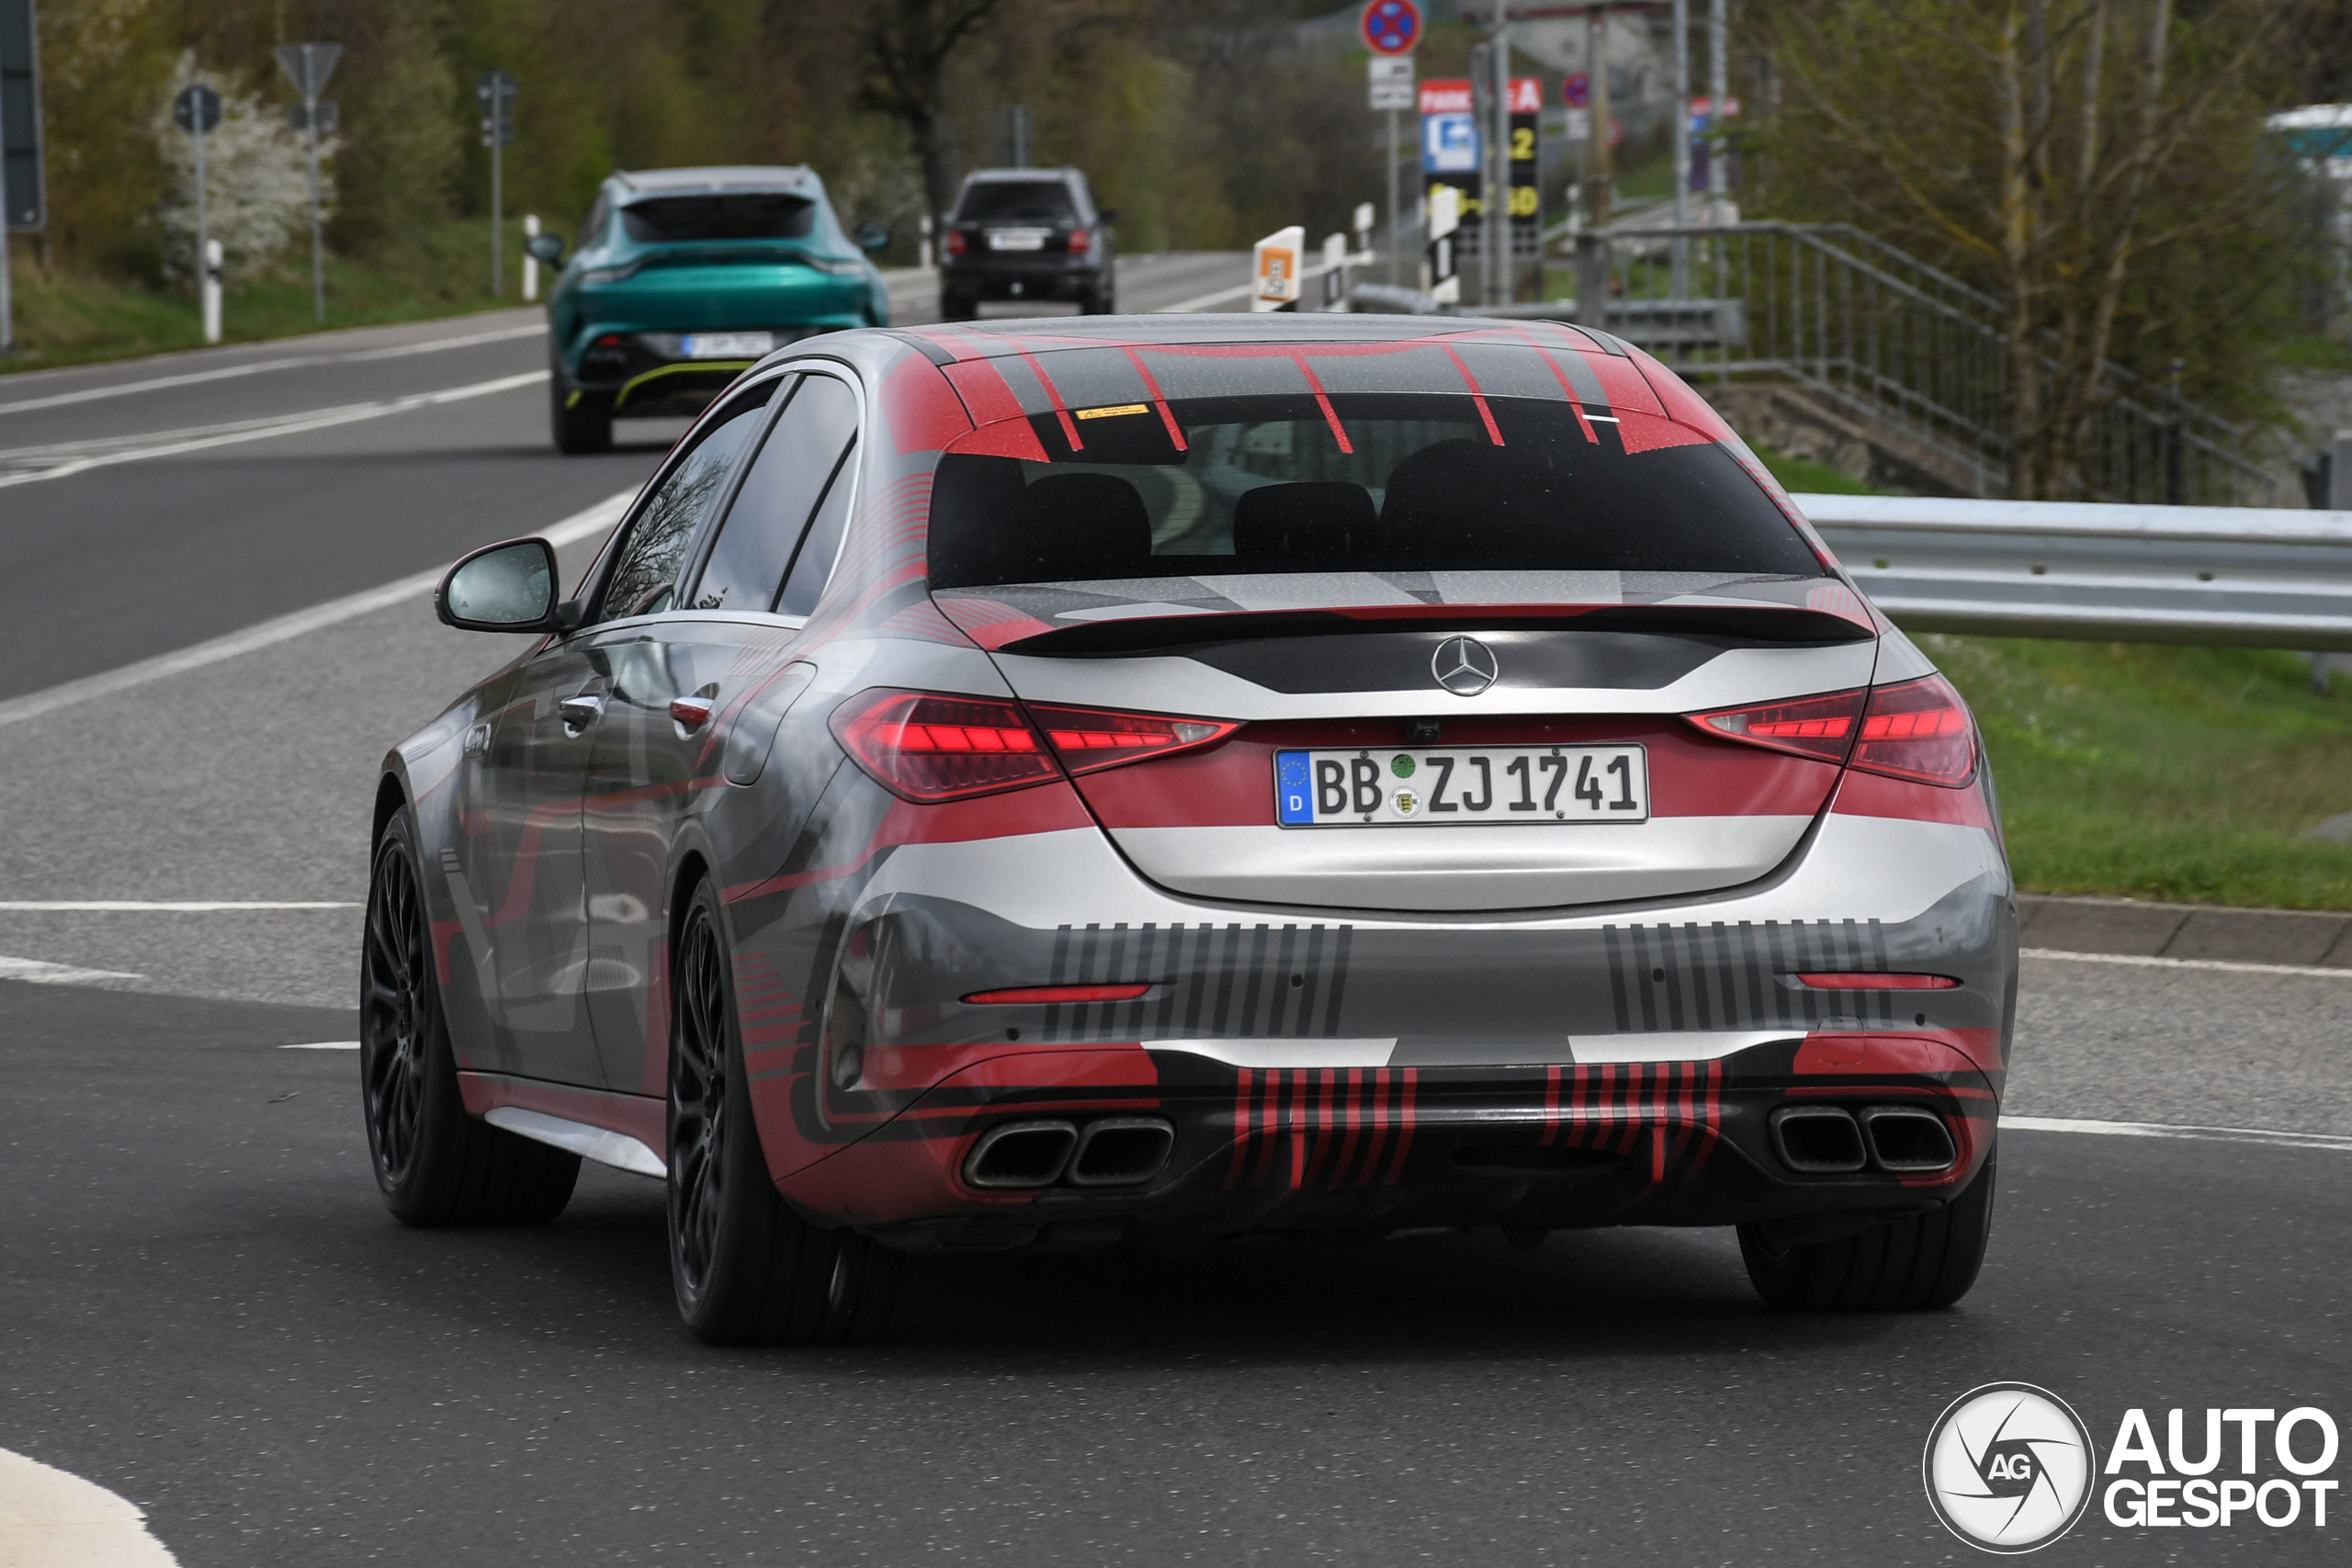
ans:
(2010, 1467)
(1465, 666)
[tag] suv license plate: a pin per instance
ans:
(1017, 240)
(728, 346)
(1460, 785)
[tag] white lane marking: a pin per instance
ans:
(1203, 301)
(36, 972)
(580, 525)
(2224, 965)
(53, 1518)
(227, 372)
(324, 1046)
(322, 419)
(156, 907)
(2174, 1130)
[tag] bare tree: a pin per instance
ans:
(2052, 148)
(909, 45)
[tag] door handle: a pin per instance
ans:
(580, 712)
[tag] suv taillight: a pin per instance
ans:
(956, 242)
(1918, 729)
(1078, 239)
(929, 747)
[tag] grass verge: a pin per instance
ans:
(2184, 774)
(443, 270)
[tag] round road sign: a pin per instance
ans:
(1391, 27)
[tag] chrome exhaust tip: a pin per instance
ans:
(1908, 1139)
(1122, 1151)
(1021, 1153)
(1819, 1140)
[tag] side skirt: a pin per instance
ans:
(624, 1131)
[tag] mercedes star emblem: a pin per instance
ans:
(1465, 666)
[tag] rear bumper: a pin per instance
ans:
(1360, 1072)
(1364, 1151)
(1016, 276)
(647, 373)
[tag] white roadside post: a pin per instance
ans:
(1335, 272)
(1274, 261)
(208, 290)
(1445, 217)
(530, 262)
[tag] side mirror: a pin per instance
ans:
(1107, 215)
(545, 247)
(873, 236)
(502, 588)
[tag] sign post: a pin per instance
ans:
(23, 196)
(496, 90)
(1453, 153)
(1275, 262)
(197, 110)
(1392, 30)
(309, 65)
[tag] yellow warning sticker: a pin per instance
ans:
(1115, 412)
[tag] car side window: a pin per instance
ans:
(647, 568)
(592, 228)
(800, 466)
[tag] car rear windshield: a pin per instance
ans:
(1016, 201)
(1381, 483)
(748, 216)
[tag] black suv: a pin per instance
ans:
(1026, 234)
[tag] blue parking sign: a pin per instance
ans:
(1450, 144)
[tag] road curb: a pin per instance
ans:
(2131, 927)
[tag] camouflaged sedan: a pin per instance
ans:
(1045, 784)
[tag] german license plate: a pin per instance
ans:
(1017, 239)
(728, 345)
(1458, 786)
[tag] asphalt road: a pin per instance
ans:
(203, 1306)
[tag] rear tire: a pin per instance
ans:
(434, 1164)
(1100, 301)
(1908, 1265)
(746, 1269)
(582, 422)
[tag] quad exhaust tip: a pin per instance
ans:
(1112, 1151)
(1830, 1140)
(1121, 1151)
(1021, 1153)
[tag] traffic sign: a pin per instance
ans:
(495, 90)
(308, 65)
(1391, 27)
(1576, 91)
(24, 208)
(1450, 144)
(197, 108)
(1391, 78)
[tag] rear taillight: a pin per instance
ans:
(1078, 239)
(1051, 994)
(1918, 730)
(956, 242)
(1811, 726)
(1873, 981)
(930, 748)
(1089, 740)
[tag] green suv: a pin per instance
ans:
(684, 278)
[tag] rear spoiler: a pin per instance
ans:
(1739, 624)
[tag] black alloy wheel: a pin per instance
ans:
(434, 1164)
(746, 1267)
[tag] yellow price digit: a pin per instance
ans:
(1522, 144)
(1523, 201)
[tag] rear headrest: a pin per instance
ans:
(1073, 526)
(1317, 519)
(1474, 505)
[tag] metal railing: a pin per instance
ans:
(2257, 577)
(1886, 338)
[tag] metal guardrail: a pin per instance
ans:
(2254, 577)
(1660, 325)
